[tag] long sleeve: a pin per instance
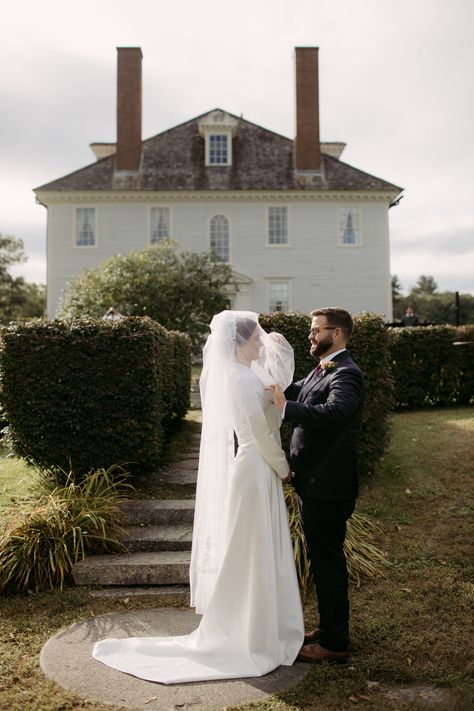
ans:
(293, 390)
(260, 430)
(345, 396)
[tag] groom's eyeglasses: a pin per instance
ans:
(315, 331)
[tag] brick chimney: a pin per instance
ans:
(307, 147)
(129, 108)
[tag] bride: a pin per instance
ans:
(242, 574)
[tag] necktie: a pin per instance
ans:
(317, 370)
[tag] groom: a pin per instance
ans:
(325, 410)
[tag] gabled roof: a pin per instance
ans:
(261, 160)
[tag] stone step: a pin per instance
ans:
(163, 568)
(179, 591)
(158, 538)
(184, 472)
(158, 512)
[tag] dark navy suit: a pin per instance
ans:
(326, 411)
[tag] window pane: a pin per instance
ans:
(218, 149)
(349, 225)
(279, 296)
(160, 224)
(85, 226)
(220, 237)
(277, 225)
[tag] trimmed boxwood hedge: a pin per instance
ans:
(85, 394)
(369, 348)
(429, 369)
(181, 375)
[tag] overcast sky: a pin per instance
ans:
(396, 85)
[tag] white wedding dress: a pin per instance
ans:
(253, 622)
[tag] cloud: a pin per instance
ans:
(453, 243)
(46, 123)
(33, 271)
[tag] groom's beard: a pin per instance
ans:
(321, 347)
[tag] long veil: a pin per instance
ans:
(216, 456)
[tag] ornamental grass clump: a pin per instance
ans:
(40, 545)
(364, 557)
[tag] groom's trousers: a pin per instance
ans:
(324, 524)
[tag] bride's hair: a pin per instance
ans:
(244, 329)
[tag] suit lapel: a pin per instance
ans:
(312, 382)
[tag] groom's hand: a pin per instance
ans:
(279, 398)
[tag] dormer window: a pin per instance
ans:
(218, 129)
(218, 149)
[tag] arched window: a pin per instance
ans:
(220, 237)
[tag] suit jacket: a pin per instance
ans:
(407, 320)
(326, 412)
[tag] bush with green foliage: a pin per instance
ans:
(369, 348)
(428, 369)
(180, 290)
(180, 378)
(85, 394)
(40, 544)
(463, 357)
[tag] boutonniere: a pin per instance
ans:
(328, 366)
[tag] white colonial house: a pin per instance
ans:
(300, 228)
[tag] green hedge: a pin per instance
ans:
(181, 377)
(429, 369)
(464, 364)
(369, 348)
(87, 394)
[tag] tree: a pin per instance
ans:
(396, 287)
(180, 290)
(425, 285)
(11, 252)
(18, 298)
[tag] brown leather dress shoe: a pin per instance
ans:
(317, 654)
(312, 636)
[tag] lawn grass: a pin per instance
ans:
(412, 630)
(17, 480)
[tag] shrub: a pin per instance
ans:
(369, 347)
(180, 290)
(39, 546)
(428, 369)
(85, 394)
(463, 357)
(180, 378)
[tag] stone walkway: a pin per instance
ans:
(66, 659)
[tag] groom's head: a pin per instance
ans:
(331, 328)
